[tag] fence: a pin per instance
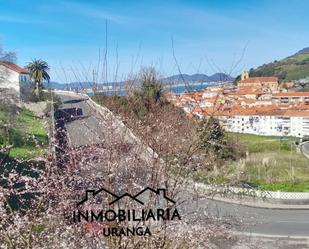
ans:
(276, 196)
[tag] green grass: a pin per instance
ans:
(26, 152)
(285, 186)
(272, 163)
(273, 166)
(25, 132)
(255, 144)
(33, 126)
(300, 57)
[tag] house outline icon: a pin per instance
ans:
(118, 198)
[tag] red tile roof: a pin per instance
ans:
(246, 92)
(297, 113)
(14, 67)
(292, 94)
(259, 80)
(271, 110)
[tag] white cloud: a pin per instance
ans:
(86, 10)
(23, 20)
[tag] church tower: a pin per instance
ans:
(244, 75)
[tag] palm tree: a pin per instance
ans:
(38, 70)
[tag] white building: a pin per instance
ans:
(14, 79)
(290, 123)
(291, 98)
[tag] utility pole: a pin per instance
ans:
(105, 50)
(52, 113)
(94, 87)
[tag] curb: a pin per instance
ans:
(273, 236)
(259, 204)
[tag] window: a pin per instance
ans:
(23, 78)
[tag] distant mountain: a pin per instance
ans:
(55, 85)
(79, 85)
(187, 78)
(199, 78)
(294, 67)
(220, 77)
(217, 77)
(303, 51)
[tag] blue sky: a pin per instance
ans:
(208, 36)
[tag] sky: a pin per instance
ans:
(75, 36)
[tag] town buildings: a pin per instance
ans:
(268, 121)
(256, 105)
(289, 98)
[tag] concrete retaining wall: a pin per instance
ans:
(143, 150)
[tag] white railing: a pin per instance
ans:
(279, 195)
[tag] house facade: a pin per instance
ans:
(286, 124)
(14, 80)
(291, 98)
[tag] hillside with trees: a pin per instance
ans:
(294, 67)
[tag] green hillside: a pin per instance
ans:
(23, 131)
(294, 67)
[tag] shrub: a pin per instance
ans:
(213, 141)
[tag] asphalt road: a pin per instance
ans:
(86, 128)
(265, 221)
(89, 129)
